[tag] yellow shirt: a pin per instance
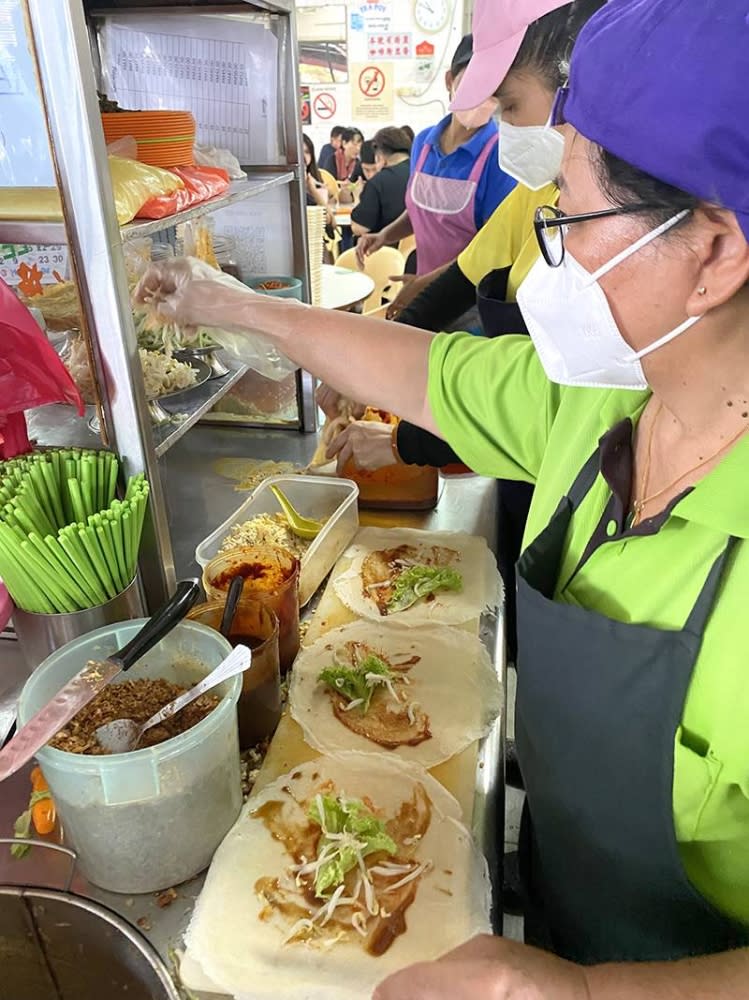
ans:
(508, 239)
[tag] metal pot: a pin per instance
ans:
(55, 945)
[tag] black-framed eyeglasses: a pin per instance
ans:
(550, 224)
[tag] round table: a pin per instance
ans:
(342, 288)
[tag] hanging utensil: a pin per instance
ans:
(230, 608)
(124, 735)
(302, 527)
(89, 681)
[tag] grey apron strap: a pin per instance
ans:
(584, 482)
(700, 613)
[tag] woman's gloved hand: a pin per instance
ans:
(333, 404)
(189, 292)
(367, 443)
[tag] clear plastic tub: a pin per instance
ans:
(149, 819)
(321, 497)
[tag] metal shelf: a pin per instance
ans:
(194, 406)
(59, 426)
(54, 232)
(238, 191)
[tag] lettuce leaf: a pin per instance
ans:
(419, 581)
(353, 682)
(356, 832)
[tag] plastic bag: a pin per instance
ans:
(212, 156)
(173, 289)
(31, 374)
(136, 183)
(200, 184)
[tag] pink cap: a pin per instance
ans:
(499, 27)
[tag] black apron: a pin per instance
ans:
(597, 709)
(498, 316)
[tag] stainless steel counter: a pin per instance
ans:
(200, 495)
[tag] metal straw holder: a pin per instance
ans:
(40, 635)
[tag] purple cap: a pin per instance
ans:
(662, 84)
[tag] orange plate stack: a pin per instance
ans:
(165, 138)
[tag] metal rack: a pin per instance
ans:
(62, 35)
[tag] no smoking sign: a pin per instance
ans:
(324, 105)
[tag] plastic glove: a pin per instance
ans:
(329, 400)
(368, 244)
(191, 293)
(367, 443)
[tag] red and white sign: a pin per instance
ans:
(324, 105)
(390, 45)
(371, 81)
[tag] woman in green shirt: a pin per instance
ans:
(630, 416)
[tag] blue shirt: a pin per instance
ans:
(494, 184)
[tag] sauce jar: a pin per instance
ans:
(255, 626)
(225, 248)
(271, 576)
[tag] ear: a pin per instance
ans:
(723, 250)
(449, 81)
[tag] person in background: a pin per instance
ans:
(347, 168)
(384, 196)
(317, 193)
(501, 253)
(327, 153)
(369, 164)
(409, 132)
(456, 181)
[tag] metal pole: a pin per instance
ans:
(292, 136)
(62, 52)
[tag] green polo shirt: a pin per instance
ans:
(494, 405)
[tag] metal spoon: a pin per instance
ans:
(302, 527)
(123, 735)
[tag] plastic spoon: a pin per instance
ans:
(123, 735)
(302, 527)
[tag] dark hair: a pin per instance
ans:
(462, 55)
(312, 168)
(336, 131)
(624, 184)
(409, 132)
(548, 42)
(350, 134)
(367, 154)
(391, 140)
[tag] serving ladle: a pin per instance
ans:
(302, 527)
(124, 735)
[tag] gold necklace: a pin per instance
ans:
(639, 505)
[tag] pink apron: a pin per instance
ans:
(441, 210)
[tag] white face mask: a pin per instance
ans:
(572, 326)
(532, 154)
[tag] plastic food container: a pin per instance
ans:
(321, 497)
(255, 626)
(150, 819)
(271, 577)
